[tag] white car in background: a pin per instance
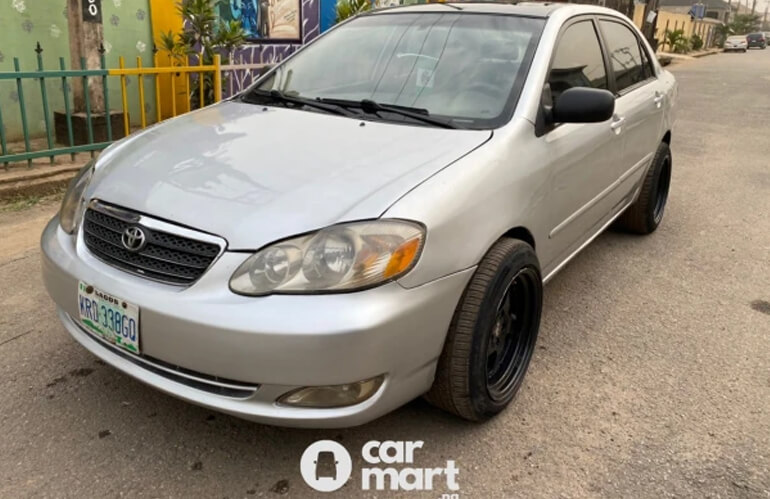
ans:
(737, 42)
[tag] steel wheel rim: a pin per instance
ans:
(661, 195)
(509, 347)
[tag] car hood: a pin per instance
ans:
(255, 174)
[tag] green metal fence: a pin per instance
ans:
(62, 73)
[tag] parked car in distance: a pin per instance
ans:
(353, 232)
(736, 43)
(756, 40)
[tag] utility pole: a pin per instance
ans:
(649, 26)
(86, 34)
(764, 18)
(753, 6)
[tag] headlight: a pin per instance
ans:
(72, 204)
(339, 258)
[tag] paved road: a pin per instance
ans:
(652, 376)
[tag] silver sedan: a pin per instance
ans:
(737, 43)
(374, 219)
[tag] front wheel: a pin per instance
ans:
(492, 335)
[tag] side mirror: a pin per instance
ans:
(583, 105)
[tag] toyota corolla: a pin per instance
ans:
(374, 219)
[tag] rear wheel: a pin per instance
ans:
(492, 335)
(644, 216)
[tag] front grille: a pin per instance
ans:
(165, 257)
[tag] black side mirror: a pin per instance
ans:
(583, 105)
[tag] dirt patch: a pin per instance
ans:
(21, 227)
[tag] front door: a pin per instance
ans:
(584, 156)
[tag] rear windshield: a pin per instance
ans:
(755, 36)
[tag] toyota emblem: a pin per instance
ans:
(133, 238)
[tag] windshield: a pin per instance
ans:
(468, 68)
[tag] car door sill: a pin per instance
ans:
(599, 196)
(586, 243)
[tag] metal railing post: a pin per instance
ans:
(217, 78)
(126, 124)
(140, 77)
(158, 114)
(44, 95)
(107, 113)
(67, 110)
(89, 123)
(22, 108)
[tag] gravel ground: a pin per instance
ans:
(651, 378)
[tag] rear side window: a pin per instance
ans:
(578, 60)
(628, 66)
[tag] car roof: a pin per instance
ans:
(528, 9)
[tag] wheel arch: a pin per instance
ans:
(523, 234)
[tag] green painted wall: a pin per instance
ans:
(23, 23)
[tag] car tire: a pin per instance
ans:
(492, 335)
(644, 216)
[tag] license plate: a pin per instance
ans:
(109, 317)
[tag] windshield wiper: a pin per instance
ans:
(369, 106)
(278, 96)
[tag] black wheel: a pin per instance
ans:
(644, 216)
(492, 335)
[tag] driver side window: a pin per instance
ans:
(578, 60)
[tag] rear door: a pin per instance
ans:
(639, 101)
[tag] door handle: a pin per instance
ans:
(617, 124)
(658, 100)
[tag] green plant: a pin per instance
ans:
(721, 33)
(203, 35)
(696, 41)
(677, 42)
(350, 8)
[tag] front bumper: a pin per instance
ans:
(274, 344)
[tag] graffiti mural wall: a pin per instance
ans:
(276, 29)
(278, 20)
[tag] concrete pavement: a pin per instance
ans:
(651, 378)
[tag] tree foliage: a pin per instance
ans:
(350, 8)
(203, 35)
(743, 24)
